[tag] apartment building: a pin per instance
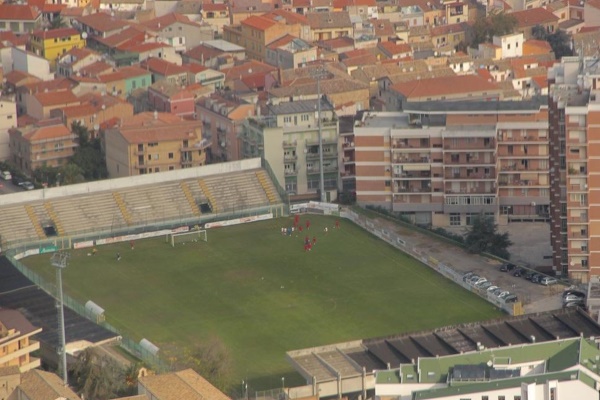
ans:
(442, 163)
(16, 343)
(288, 139)
(154, 142)
(574, 112)
(48, 143)
(8, 120)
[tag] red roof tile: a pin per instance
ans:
(47, 132)
(534, 16)
(163, 67)
(258, 22)
(102, 22)
(159, 23)
(444, 86)
(17, 12)
(56, 98)
(55, 33)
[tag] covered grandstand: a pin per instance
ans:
(346, 368)
(192, 195)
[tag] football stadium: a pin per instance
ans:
(169, 260)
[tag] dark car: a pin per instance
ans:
(511, 299)
(507, 267)
(527, 275)
(574, 292)
(518, 272)
(536, 278)
(17, 180)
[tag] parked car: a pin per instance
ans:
(571, 304)
(17, 181)
(518, 272)
(511, 298)
(536, 278)
(485, 285)
(498, 291)
(548, 280)
(574, 292)
(473, 279)
(528, 274)
(479, 281)
(467, 276)
(503, 294)
(27, 185)
(492, 288)
(6, 175)
(572, 297)
(507, 267)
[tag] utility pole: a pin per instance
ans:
(318, 74)
(60, 261)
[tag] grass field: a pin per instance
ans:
(262, 294)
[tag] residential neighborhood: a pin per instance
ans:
(433, 113)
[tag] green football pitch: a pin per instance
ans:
(262, 294)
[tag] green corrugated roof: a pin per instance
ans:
(499, 384)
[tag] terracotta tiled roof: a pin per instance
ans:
(143, 47)
(72, 12)
(55, 33)
(123, 73)
(54, 98)
(258, 22)
(56, 84)
(38, 385)
(444, 86)
(342, 4)
(447, 29)
(53, 131)
(485, 74)
(290, 18)
(214, 7)
(162, 67)
(9, 37)
(540, 81)
(534, 16)
(249, 67)
(169, 89)
(194, 68)
(15, 77)
(383, 27)
(592, 3)
(556, 5)
(337, 43)
(282, 41)
(185, 384)
(392, 48)
(17, 12)
(532, 47)
(95, 69)
(102, 22)
(128, 36)
(160, 23)
(329, 20)
(256, 6)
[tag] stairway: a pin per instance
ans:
(267, 187)
(209, 195)
(35, 221)
(123, 207)
(52, 214)
(190, 198)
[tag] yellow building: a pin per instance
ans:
(154, 142)
(15, 341)
(52, 44)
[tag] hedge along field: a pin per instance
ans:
(262, 294)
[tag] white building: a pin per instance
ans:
(8, 120)
(511, 45)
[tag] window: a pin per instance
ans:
(501, 398)
(170, 156)
(454, 219)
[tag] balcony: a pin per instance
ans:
(521, 139)
(479, 189)
(326, 141)
(289, 145)
(413, 175)
(316, 170)
(469, 160)
(471, 176)
(348, 144)
(410, 144)
(326, 154)
(480, 145)
(520, 167)
(578, 188)
(582, 219)
(348, 159)
(291, 172)
(405, 159)
(578, 235)
(290, 157)
(412, 189)
(518, 183)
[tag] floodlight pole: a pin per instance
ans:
(59, 261)
(318, 75)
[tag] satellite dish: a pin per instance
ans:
(490, 363)
(84, 35)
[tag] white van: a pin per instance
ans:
(6, 175)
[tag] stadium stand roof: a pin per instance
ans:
(392, 352)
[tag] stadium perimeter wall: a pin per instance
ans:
(139, 180)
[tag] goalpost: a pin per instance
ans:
(183, 237)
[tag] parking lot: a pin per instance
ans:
(535, 297)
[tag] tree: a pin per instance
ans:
(88, 155)
(98, 376)
(46, 175)
(70, 173)
(210, 359)
(483, 237)
(539, 32)
(496, 24)
(561, 44)
(57, 22)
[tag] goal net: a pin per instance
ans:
(183, 237)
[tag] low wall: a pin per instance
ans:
(138, 180)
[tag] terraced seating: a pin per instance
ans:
(97, 211)
(16, 225)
